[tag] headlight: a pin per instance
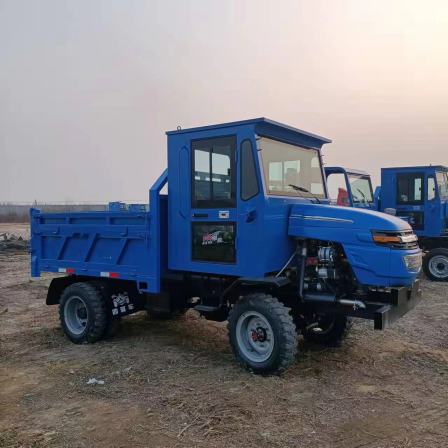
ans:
(406, 239)
(413, 262)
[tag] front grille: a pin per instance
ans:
(405, 246)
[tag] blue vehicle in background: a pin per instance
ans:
(246, 233)
(417, 194)
(350, 187)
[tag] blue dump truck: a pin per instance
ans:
(417, 194)
(245, 233)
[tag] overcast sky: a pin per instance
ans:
(88, 87)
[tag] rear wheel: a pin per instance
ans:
(83, 313)
(262, 334)
(435, 264)
(328, 330)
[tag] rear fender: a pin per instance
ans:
(58, 285)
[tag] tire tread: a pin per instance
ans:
(288, 336)
(95, 299)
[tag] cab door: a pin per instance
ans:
(433, 212)
(338, 188)
(212, 215)
(410, 199)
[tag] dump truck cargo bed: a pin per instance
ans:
(113, 244)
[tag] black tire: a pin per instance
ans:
(281, 334)
(331, 331)
(113, 323)
(91, 308)
(431, 271)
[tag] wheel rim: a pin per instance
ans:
(438, 266)
(76, 315)
(255, 336)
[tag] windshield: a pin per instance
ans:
(285, 165)
(361, 188)
(442, 183)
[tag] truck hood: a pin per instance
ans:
(334, 217)
(372, 264)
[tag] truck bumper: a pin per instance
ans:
(387, 307)
(382, 306)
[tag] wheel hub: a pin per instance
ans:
(259, 335)
(255, 336)
(438, 266)
(75, 315)
(81, 313)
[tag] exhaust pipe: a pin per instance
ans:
(328, 298)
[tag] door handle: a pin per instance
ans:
(251, 215)
(200, 215)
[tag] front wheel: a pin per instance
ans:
(262, 334)
(435, 264)
(328, 329)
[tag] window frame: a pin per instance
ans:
(283, 194)
(243, 174)
(435, 191)
(346, 189)
(212, 203)
(439, 192)
(415, 175)
(369, 181)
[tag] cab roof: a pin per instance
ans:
(263, 126)
(340, 169)
(421, 167)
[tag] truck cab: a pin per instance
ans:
(349, 187)
(419, 194)
(416, 194)
(230, 190)
(246, 234)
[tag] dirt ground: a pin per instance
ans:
(176, 384)
(18, 229)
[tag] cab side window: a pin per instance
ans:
(337, 189)
(213, 176)
(409, 188)
(249, 181)
(431, 188)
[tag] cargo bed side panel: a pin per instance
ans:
(98, 244)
